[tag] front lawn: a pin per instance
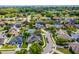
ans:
(6, 46)
(64, 50)
(24, 45)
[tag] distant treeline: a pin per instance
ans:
(58, 10)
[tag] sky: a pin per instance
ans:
(39, 2)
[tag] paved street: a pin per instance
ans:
(49, 45)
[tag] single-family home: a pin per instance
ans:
(77, 26)
(33, 38)
(57, 19)
(74, 46)
(17, 41)
(70, 20)
(63, 34)
(2, 23)
(58, 25)
(75, 35)
(14, 31)
(39, 24)
(2, 38)
(31, 31)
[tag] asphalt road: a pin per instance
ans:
(49, 44)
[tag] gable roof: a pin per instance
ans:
(16, 40)
(14, 28)
(2, 38)
(33, 38)
(75, 36)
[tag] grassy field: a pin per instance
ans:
(8, 46)
(64, 50)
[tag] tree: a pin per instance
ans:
(22, 51)
(70, 49)
(25, 35)
(0, 52)
(77, 21)
(6, 27)
(62, 41)
(35, 48)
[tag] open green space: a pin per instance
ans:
(64, 50)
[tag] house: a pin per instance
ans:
(63, 34)
(39, 24)
(70, 20)
(28, 18)
(48, 25)
(8, 19)
(18, 19)
(2, 38)
(17, 41)
(2, 23)
(48, 18)
(58, 25)
(75, 35)
(57, 19)
(17, 25)
(74, 46)
(77, 26)
(14, 31)
(25, 21)
(33, 38)
(10, 24)
(31, 31)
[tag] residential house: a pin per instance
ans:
(74, 46)
(48, 18)
(77, 26)
(57, 19)
(17, 25)
(75, 35)
(2, 23)
(48, 25)
(31, 31)
(14, 31)
(25, 21)
(58, 25)
(17, 41)
(70, 20)
(39, 24)
(8, 19)
(2, 38)
(11, 24)
(28, 18)
(63, 34)
(33, 38)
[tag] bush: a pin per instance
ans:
(0, 52)
(22, 51)
(35, 48)
(61, 41)
(70, 49)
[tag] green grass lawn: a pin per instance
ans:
(1, 28)
(43, 38)
(8, 46)
(24, 45)
(64, 50)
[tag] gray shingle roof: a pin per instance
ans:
(33, 38)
